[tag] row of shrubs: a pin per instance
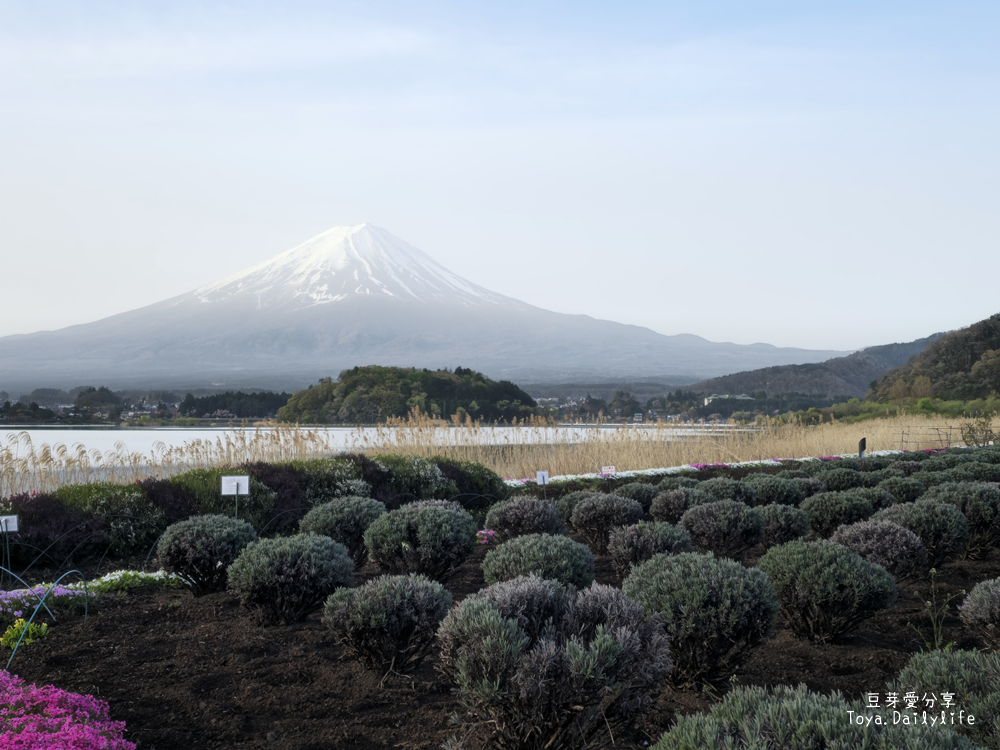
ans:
(80, 521)
(529, 655)
(545, 663)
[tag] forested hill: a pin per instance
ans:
(842, 376)
(366, 395)
(960, 366)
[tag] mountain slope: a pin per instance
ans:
(840, 376)
(961, 365)
(355, 296)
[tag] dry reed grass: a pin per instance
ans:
(517, 451)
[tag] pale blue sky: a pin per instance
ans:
(815, 175)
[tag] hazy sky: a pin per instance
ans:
(823, 175)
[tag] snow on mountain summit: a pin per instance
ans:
(346, 261)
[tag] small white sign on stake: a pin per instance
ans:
(8, 524)
(608, 471)
(236, 485)
(541, 477)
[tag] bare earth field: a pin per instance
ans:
(195, 673)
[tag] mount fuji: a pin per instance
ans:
(352, 296)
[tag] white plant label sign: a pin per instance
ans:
(542, 477)
(608, 471)
(8, 524)
(236, 485)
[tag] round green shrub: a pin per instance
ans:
(286, 578)
(878, 498)
(524, 515)
(568, 502)
(839, 480)
(971, 676)
(828, 510)
(884, 543)
(980, 503)
(875, 478)
(390, 622)
(782, 523)
(981, 612)
(676, 482)
(344, 519)
(775, 490)
(792, 474)
(556, 558)
(715, 611)
(825, 590)
(908, 467)
(933, 478)
(594, 517)
(722, 488)
(631, 545)
(786, 718)
(201, 548)
(942, 527)
(904, 489)
(537, 668)
(725, 527)
(417, 538)
(669, 506)
(961, 473)
(640, 492)
(984, 472)
(810, 486)
(478, 486)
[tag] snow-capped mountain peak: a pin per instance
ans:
(346, 261)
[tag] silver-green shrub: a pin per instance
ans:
(980, 503)
(331, 478)
(669, 506)
(888, 544)
(714, 610)
(824, 589)
(524, 515)
(787, 718)
(201, 548)
(639, 491)
(537, 668)
(810, 486)
(972, 677)
(838, 480)
(725, 527)
(568, 502)
(782, 523)
(775, 490)
(420, 538)
(631, 545)
(553, 557)
(416, 478)
(828, 510)
(879, 498)
(390, 622)
(981, 612)
(344, 519)
(874, 478)
(942, 527)
(904, 489)
(722, 488)
(286, 578)
(594, 517)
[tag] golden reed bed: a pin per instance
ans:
(512, 452)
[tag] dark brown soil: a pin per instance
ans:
(195, 673)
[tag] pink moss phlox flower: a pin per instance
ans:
(486, 536)
(45, 718)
